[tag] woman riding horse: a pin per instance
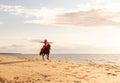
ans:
(45, 50)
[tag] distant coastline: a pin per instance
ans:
(10, 53)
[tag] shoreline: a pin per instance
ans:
(109, 59)
(33, 70)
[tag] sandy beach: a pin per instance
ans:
(15, 69)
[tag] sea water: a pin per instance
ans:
(113, 59)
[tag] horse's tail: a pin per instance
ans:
(40, 52)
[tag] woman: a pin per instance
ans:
(45, 49)
(45, 44)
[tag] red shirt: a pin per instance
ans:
(45, 44)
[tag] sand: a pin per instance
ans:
(28, 70)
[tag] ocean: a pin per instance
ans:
(112, 59)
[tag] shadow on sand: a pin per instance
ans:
(12, 62)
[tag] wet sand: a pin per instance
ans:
(15, 69)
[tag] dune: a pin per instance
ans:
(14, 69)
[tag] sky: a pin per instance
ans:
(79, 26)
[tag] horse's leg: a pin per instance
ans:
(43, 56)
(47, 56)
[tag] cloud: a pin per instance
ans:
(41, 16)
(36, 40)
(113, 5)
(79, 16)
(43, 21)
(89, 18)
(1, 22)
(93, 17)
(12, 46)
(19, 10)
(78, 48)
